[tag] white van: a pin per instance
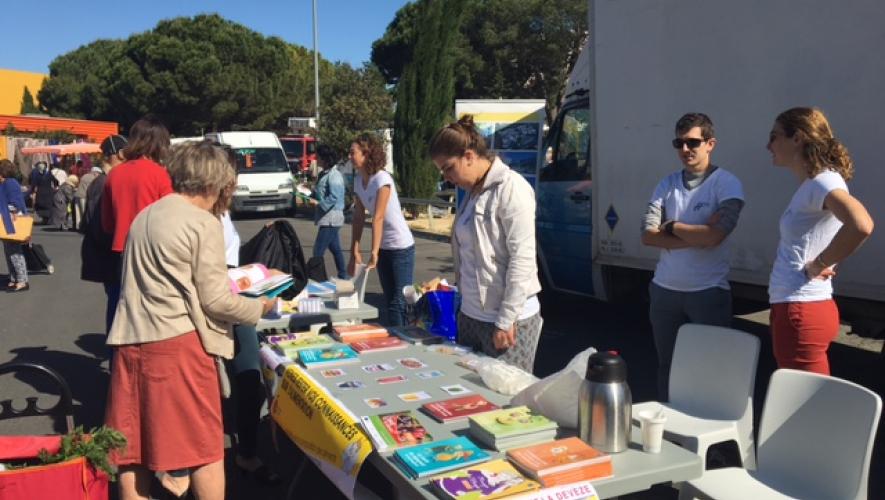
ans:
(264, 183)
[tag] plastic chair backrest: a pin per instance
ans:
(713, 371)
(63, 408)
(816, 435)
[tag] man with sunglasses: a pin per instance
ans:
(689, 217)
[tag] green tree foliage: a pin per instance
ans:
(352, 102)
(425, 94)
(28, 105)
(508, 49)
(200, 73)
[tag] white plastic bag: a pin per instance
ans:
(504, 378)
(556, 396)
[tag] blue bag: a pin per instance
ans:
(443, 307)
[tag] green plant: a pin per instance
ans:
(94, 446)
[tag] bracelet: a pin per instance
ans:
(820, 262)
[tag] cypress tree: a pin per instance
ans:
(28, 105)
(425, 95)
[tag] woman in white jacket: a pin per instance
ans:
(493, 243)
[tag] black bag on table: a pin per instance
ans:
(36, 259)
(277, 247)
(316, 269)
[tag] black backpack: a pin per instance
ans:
(277, 247)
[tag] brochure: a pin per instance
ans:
(457, 409)
(486, 481)
(327, 356)
(437, 457)
(389, 431)
(256, 280)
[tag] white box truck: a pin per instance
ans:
(741, 62)
(264, 182)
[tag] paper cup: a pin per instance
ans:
(652, 427)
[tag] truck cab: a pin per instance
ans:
(264, 182)
(300, 151)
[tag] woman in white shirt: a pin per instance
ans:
(393, 248)
(493, 244)
(821, 226)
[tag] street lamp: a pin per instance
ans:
(316, 65)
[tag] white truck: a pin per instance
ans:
(741, 62)
(264, 182)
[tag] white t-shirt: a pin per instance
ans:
(693, 269)
(806, 228)
(396, 234)
(467, 281)
(231, 241)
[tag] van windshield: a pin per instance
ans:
(260, 160)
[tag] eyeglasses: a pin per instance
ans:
(691, 143)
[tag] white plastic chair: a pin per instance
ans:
(712, 378)
(815, 442)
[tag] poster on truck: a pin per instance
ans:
(513, 128)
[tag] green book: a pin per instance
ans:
(290, 348)
(509, 422)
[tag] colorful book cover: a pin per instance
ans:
(458, 408)
(327, 356)
(511, 422)
(290, 348)
(585, 473)
(395, 430)
(486, 481)
(442, 456)
(380, 344)
(556, 456)
(583, 490)
(359, 329)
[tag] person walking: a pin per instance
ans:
(822, 225)
(42, 185)
(493, 243)
(393, 247)
(689, 217)
(172, 325)
(12, 205)
(329, 214)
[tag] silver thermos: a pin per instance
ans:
(605, 405)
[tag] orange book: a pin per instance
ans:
(556, 457)
(353, 333)
(585, 473)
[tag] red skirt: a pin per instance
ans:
(164, 397)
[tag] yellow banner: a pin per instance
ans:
(318, 424)
(518, 117)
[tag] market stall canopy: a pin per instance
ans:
(64, 149)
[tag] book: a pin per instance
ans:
(363, 331)
(561, 461)
(390, 431)
(290, 348)
(583, 490)
(416, 335)
(327, 356)
(512, 427)
(256, 280)
(438, 457)
(378, 345)
(457, 409)
(486, 481)
(321, 288)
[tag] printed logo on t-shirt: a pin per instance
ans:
(700, 205)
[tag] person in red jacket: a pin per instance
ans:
(133, 185)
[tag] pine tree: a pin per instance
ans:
(28, 105)
(425, 95)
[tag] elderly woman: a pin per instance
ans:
(172, 324)
(12, 204)
(493, 243)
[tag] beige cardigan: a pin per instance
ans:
(175, 280)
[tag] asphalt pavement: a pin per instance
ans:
(60, 323)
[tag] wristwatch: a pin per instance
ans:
(668, 227)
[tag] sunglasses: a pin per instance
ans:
(691, 143)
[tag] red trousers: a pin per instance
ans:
(801, 333)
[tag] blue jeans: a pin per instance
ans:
(395, 268)
(327, 237)
(112, 291)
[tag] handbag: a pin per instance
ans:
(24, 225)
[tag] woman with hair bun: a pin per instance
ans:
(493, 243)
(393, 248)
(822, 225)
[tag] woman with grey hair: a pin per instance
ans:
(172, 324)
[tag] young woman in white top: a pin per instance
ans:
(494, 247)
(393, 248)
(821, 226)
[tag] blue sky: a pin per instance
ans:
(39, 31)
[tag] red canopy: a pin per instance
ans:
(64, 149)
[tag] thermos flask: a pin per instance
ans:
(605, 406)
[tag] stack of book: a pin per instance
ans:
(256, 280)
(378, 345)
(390, 431)
(438, 457)
(562, 461)
(486, 481)
(416, 335)
(355, 333)
(327, 356)
(512, 428)
(291, 347)
(458, 409)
